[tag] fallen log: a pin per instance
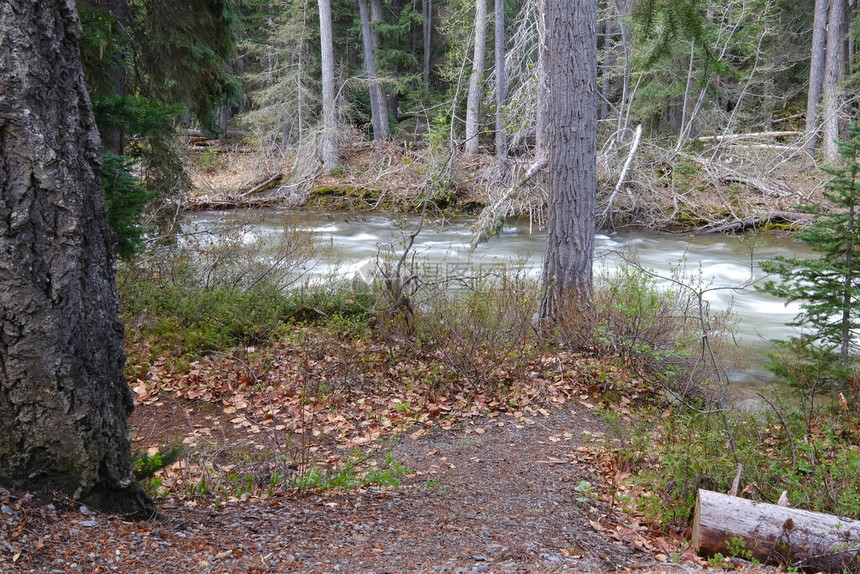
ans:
(752, 135)
(225, 203)
(813, 541)
(264, 185)
(741, 225)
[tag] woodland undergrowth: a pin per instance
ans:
(308, 385)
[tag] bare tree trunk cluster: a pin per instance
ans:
(834, 71)
(816, 75)
(370, 68)
(381, 96)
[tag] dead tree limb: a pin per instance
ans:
(774, 217)
(752, 135)
(265, 184)
(724, 173)
(637, 136)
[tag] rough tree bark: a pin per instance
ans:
(542, 111)
(834, 71)
(328, 145)
(370, 68)
(571, 35)
(816, 75)
(381, 96)
(63, 398)
(473, 102)
(427, 30)
(501, 92)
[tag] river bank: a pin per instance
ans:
(662, 192)
(725, 268)
(338, 402)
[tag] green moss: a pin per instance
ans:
(783, 226)
(339, 197)
(343, 190)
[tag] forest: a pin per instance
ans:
(228, 342)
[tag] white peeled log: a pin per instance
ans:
(779, 534)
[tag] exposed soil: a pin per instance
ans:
(490, 490)
(496, 494)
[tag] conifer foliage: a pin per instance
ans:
(829, 285)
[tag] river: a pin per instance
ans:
(724, 262)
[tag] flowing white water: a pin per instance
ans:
(723, 262)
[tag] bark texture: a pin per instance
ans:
(370, 69)
(63, 398)
(328, 145)
(571, 38)
(834, 71)
(473, 103)
(816, 75)
(501, 92)
(820, 542)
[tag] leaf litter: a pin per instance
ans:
(489, 482)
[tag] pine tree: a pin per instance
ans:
(828, 286)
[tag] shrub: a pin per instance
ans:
(655, 331)
(819, 465)
(479, 327)
(198, 296)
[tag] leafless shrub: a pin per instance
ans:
(232, 254)
(658, 332)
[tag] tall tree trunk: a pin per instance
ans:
(501, 92)
(63, 397)
(114, 139)
(834, 71)
(427, 28)
(567, 268)
(223, 122)
(370, 67)
(381, 96)
(816, 75)
(542, 108)
(473, 102)
(609, 58)
(328, 147)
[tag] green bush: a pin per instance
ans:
(334, 302)
(183, 321)
(182, 300)
(655, 331)
(818, 464)
(189, 322)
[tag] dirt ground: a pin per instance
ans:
(498, 494)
